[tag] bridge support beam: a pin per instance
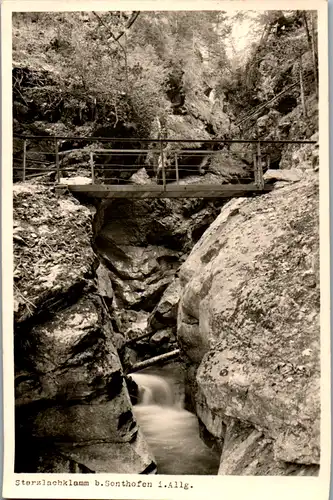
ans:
(169, 191)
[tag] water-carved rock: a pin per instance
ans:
(249, 320)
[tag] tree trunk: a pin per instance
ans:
(302, 86)
(155, 360)
(314, 53)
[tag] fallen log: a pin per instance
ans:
(155, 360)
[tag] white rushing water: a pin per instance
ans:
(171, 432)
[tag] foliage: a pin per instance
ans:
(104, 70)
(273, 61)
(92, 69)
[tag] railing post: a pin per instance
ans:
(259, 167)
(268, 161)
(24, 158)
(255, 168)
(163, 167)
(92, 167)
(56, 144)
(177, 171)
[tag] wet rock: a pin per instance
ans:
(129, 358)
(247, 452)
(138, 294)
(134, 323)
(104, 285)
(76, 393)
(165, 313)
(245, 308)
(139, 274)
(121, 458)
(101, 422)
(162, 337)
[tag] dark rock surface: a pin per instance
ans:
(165, 313)
(73, 409)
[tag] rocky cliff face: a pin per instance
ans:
(143, 243)
(73, 410)
(248, 324)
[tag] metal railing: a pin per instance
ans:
(165, 161)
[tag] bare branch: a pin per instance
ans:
(117, 41)
(132, 20)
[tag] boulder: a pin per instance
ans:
(76, 393)
(248, 321)
(104, 285)
(162, 337)
(291, 175)
(140, 177)
(140, 294)
(139, 274)
(165, 313)
(248, 452)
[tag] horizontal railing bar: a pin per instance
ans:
(39, 161)
(115, 167)
(100, 168)
(183, 152)
(125, 151)
(123, 181)
(73, 151)
(165, 141)
(40, 153)
(37, 175)
(35, 168)
(63, 169)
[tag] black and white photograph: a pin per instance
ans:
(167, 259)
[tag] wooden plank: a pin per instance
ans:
(124, 188)
(141, 192)
(209, 187)
(121, 188)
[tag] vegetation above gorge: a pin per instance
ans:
(116, 73)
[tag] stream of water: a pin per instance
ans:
(171, 431)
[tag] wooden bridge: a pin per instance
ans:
(171, 163)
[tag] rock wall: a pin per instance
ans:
(73, 411)
(248, 325)
(142, 244)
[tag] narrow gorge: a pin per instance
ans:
(229, 287)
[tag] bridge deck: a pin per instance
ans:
(169, 191)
